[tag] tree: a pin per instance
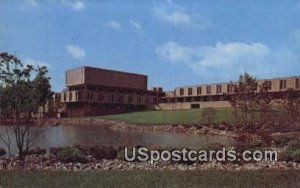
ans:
(23, 89)
(263, 102)
(291, 106)
(244, 99)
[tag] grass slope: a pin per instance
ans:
(45, 179)
(171, 116)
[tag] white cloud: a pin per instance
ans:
(135, 24)
(228, 59)
(176, 17)
(169, 12)
(114, 25)
(29, 61)
(74, 4)
(31, 2)
(75, 51)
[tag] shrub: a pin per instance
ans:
(70, 154)
(294, 145)
(208, 114)
(36, 151)
(213, 146)
(296, 155)
(102, 152)
(2, 152)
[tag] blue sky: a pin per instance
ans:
(175, 43)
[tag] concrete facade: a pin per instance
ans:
(218, 95)
(94, 91)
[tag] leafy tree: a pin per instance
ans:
(244, 99)
(23, 89)
(263, 102)
(291, 106)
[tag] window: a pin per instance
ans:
(121, 99)
(219, 88)
(297, 83)
(139, 99)
(269, 85)
(190, 91)
(230, 88)
(181, 91)
(70, 96)
(100, 97)
(198, 90)
(282, 84)
(208, 89)
(154, 100)
(130, 99)
(65, 97)
(79, 96)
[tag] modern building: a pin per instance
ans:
(219, 94)
(95, 91)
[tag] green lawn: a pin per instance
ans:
(171, 116)
(282, 179)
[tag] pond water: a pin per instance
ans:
(103, 135)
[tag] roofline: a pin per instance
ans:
(222, 83)
(107, 70)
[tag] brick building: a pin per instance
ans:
(218, 95)
(95, 91)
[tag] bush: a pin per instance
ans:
(213, 146)
(281, 141)
(36, 151)
(296, 156)
(294, 145)
(208, 114)
(69, 154)
(102, 152)
(2, 152)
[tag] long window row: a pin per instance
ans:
(230, 88)
(107, 98)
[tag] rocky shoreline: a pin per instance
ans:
(213, 129)
(46, 163)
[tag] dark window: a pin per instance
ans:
(181, 91)
(190, 91)
(199, 91)
(230, 88)
(269, 85)
(154, 100)
(79, 96)
(219, 88)
(65, 97)
(121, 99)
(282, 84)
(100, 97)
(297, 83)
(70, 96)
(208, 89)
(112, 98)
(139, 99)
(130, 99)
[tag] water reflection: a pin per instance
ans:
(101, 135)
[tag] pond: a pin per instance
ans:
(103, 135)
